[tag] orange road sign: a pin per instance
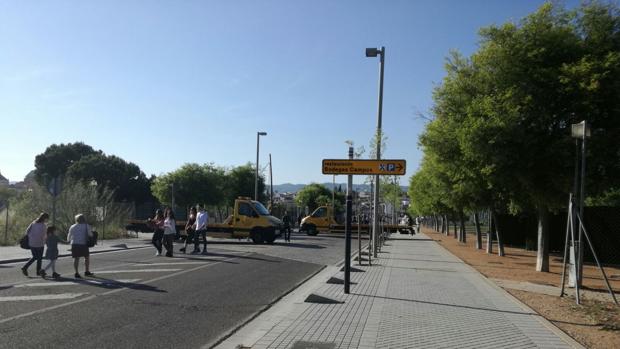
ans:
(364, 167)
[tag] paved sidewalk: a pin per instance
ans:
(11, 254)
(416, 295)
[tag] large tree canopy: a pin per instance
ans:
(56, 160)
(500, 137)
(80, 162)
(126, 179)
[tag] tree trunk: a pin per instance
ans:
(463, 232)
(444, 225)
(455, 232)
(500, 243)
(478, 232)
(542, 255)
(490, 235)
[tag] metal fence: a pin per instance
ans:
(601, 223)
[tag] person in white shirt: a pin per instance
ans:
(78, 237)
(202, 219)
(170, 230)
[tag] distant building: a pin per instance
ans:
(3, 181)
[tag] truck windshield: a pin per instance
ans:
(260, 208)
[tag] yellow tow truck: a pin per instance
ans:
(322, 220)
(250, 219)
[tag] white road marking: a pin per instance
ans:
(44, 297)
(96, 272)
(85, 299)
(76, 283)
(168, 263)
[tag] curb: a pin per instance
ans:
(16, 260)
(251, 318)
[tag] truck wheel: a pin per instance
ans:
(311, 230)
(256, 235)
(269, 235)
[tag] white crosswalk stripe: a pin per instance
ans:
(133, 271)
(44, 297)
(165, 263)
(76, 283)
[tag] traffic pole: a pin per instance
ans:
(347, 246)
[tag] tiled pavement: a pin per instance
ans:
(416, 295)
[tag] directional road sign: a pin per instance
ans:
(364, 167)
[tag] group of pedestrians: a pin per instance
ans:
(164, 230)
(43, 237)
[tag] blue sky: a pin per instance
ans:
(162, 83)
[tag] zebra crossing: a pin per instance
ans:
(59, 289)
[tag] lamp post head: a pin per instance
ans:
(581, 130)
(262, 133)
(372, 52)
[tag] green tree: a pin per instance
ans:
(124, 178)
(56, 160)
(193, 184)
(240, 181)
(508, 109)
(313, 196)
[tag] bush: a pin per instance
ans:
(95, 202)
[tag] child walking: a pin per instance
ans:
(51, 252)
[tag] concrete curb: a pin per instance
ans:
(556, 330)
(319, 276)
(17, 260)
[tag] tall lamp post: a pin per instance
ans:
(373, 52)
(258, 134)
(580, 131)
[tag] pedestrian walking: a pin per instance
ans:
(202, 220)
(157, 224)
(189, 228)
(286, 220)
(51, 251)
(36, 240)
(78, 236)
(170, 231)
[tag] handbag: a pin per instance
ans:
(23, 242)
(92, 240)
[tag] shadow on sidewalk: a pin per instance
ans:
(448, 305)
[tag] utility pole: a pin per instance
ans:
(270, 184)
(347, 248)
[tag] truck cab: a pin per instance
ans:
(321, 219)
(251, 219)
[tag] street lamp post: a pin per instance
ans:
(580, 131)
(373, 52)
(258, 134)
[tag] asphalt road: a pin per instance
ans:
(142, 301)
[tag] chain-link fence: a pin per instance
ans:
(601, 223)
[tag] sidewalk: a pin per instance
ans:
(416, 295)
(11, 254)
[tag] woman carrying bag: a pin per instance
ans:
(36, 233)
(79, 233)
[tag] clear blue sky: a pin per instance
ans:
(162, 83)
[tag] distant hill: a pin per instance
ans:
(294, 188)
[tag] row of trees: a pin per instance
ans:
(207, 184)
(500, 134)
(105, 188)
